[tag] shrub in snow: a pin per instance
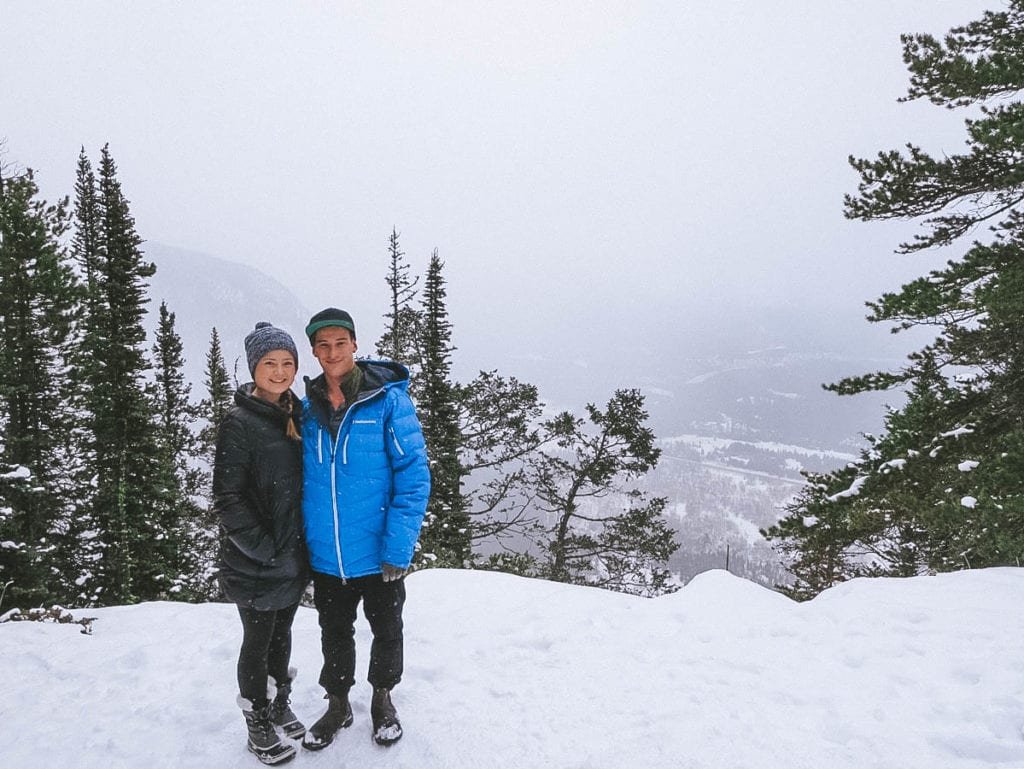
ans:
(56, 614)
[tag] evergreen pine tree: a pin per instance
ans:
(178, 418)
(82, 549)
(401, 338)
(133, 507)
(499, 432)
(622, 543)
(85, 244)
(814, 537)
(943, 488)
(495, 417)
(205, 534)
(38, 303)
(176, 413)
(445, 540)
(217, 401)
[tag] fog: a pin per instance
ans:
(601, 174)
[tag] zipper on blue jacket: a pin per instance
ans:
(334, 506)
(334, 479)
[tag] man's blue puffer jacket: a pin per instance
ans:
(365, 490)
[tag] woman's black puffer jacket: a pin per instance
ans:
(257, 495)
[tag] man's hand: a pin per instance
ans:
(391, 573)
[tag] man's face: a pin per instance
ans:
(334, 347)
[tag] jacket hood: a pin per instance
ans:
(376, 374)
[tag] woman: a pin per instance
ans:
(257, 488)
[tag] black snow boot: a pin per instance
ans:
(281, 714)
(386, 728)
(338, 716)
(263, 740)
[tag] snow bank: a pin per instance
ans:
(922, 673)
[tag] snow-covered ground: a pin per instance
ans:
(923, 673)
(708, 444)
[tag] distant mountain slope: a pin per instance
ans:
(204, 292)
(772, 395)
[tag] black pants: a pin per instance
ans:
(336, 603)
(266, 649)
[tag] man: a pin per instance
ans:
(365, 487)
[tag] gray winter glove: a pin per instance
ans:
(391, 573)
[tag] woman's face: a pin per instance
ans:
(274, 374)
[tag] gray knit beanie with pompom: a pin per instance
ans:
(266, 338)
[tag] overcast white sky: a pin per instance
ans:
(572, 161)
